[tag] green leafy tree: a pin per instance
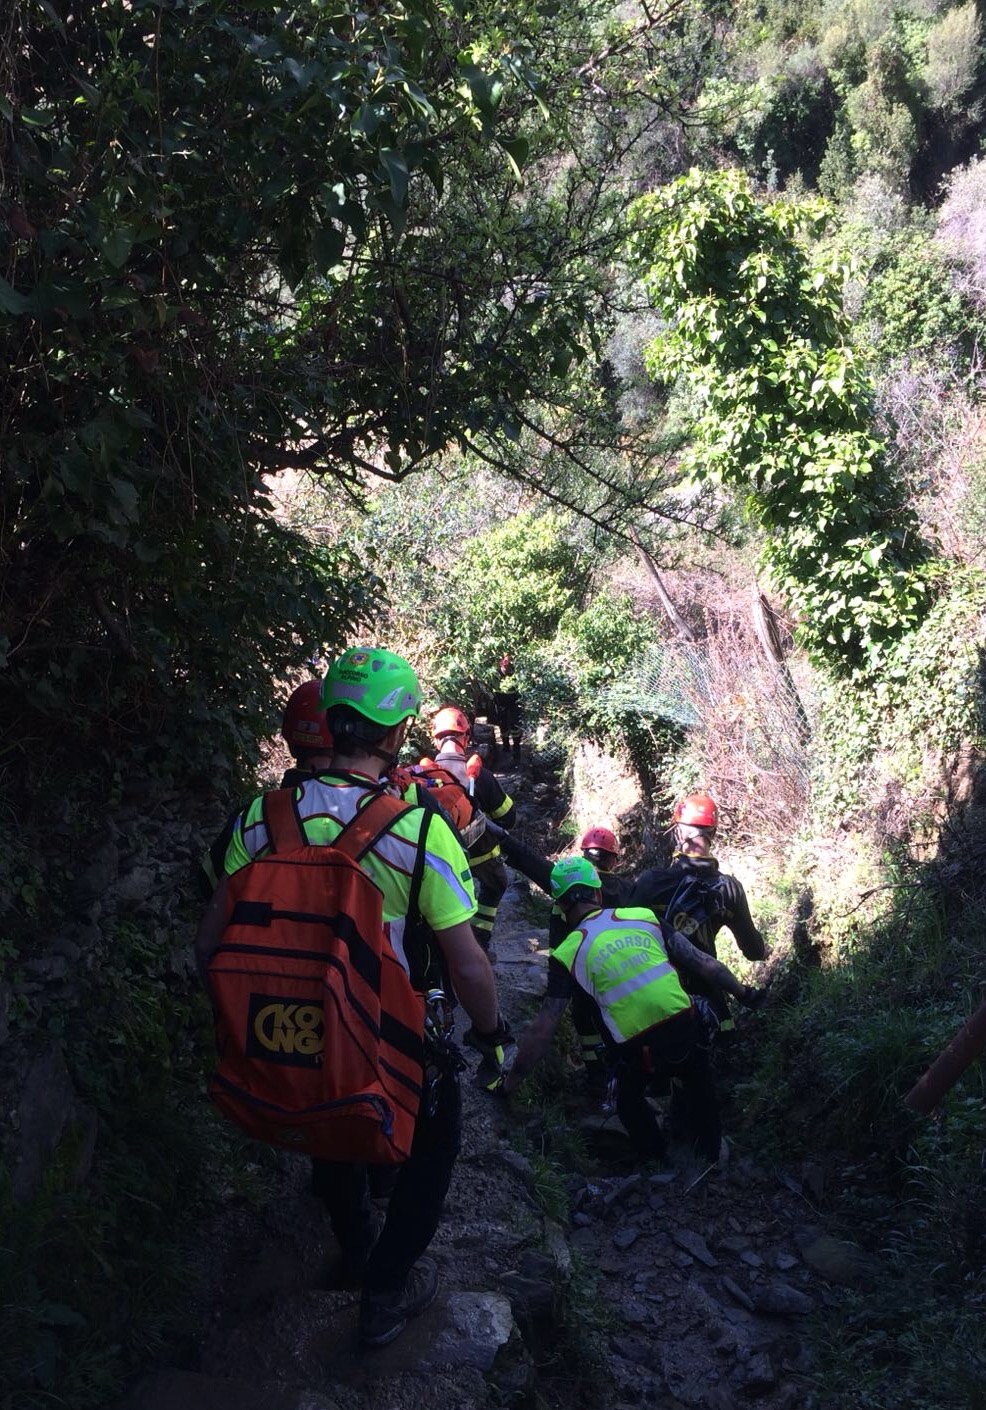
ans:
(243, 239)
(759, 331)
(510, 588)
(885, 113)
(176, 174)
(953, 68)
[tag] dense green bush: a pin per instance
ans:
(933, 694)
(96, 1278)
(911, 305)
(606, 647)
(902, 84)
(905, 726)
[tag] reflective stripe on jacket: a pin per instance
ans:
(617, 957)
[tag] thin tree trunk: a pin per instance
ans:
(765, 625)
(677, 620)
(950, 1064)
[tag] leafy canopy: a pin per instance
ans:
(246, 238)
(185, 183)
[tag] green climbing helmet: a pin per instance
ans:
(572, 871)
(375, 683)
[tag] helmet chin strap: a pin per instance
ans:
(389, 760)
(389, 757)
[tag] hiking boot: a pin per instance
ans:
(383, 1316)
(487, 1073)
(706, 1156)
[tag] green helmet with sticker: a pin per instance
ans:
(572, 871)
(375, 683)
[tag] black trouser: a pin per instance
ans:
(415, 1205)
(592, 1045)
(681, 1051)
(508, 718)
(490, 878)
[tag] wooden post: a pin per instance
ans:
(677, 620)
(950, 1064)
(765, 625)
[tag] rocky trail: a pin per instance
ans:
(570, 1277)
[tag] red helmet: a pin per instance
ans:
(505, 663)
(474, 766)
(304, 725)
(450, 720)
(696, 810)
(599, 839)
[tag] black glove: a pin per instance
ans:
(491, 1045)
(752, 998)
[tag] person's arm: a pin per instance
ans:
(616, 889)
(210, 933)
(472, 978)
(535, 1041)
(736, 916)
(525, 859)
(684, 955)
(495, 803)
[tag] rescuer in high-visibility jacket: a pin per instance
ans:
(695, 821)
(600, 847)
(626, 961)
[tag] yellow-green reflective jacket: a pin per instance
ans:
(618, 957)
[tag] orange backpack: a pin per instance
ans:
(320, 1031)
(453, 796)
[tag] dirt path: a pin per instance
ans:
(666, 1288)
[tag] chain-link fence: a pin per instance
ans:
(749, 724)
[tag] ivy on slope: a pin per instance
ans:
(786, 408)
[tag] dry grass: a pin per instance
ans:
(938, 423)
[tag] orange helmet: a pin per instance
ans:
(696, 810)
(304, 725)
(599, 839)
(474, 766)
(450, 720)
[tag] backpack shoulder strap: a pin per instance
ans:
(368, 826)
(284, 827)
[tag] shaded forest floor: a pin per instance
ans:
(570, 1275)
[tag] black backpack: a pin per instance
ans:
(679, 897)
